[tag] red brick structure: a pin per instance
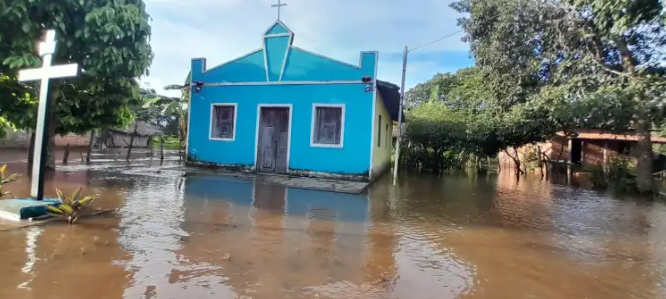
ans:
(21, 139)
(73, 140)
(588, 148)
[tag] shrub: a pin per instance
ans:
(4, 179)
(618, 175)
(69, 207)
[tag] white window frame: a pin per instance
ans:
(314, 120)
(212, 116)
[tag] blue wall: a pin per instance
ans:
(219, 188)
(300, 202)
(310, 70)
(353, 158)
(349, 207)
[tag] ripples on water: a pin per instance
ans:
(451, 237)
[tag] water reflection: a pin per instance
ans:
(432, 237)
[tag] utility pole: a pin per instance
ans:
(402, 101)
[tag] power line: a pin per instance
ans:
(439, 39)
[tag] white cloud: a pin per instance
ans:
(220, 30)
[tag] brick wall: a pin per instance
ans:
(73, 140)
(21, 139)
(506, 161)
(593, 152)
(559, 149)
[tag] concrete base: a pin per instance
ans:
(24, 208)
(340, 186)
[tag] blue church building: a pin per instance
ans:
(283, 109)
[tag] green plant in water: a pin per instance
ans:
(618, 174)
(4, 179)
(70, 205)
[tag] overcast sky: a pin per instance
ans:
(221, 30)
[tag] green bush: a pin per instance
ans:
(69, 206)
(5, 179)
(618, 175)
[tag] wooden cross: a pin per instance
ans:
(44, 74)
(279, 5)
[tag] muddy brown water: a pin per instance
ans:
(450, 237)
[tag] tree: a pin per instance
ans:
(435, 89)
(109, 41)
(15, 99)
(576, 53)
(181, 108)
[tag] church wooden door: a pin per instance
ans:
(273, 140)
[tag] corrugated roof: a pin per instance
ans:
(391, 95)
(143, 129)
(602, 135)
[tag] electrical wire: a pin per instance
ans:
(434, 41)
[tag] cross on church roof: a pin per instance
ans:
(279, 7)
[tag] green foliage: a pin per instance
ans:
(531, 157)
(181, 109)
(581, 63)
(5, 179)
(16, 99)
(170, 142)
(464, 117)
(165, 112)
(69, 206)
(108, 39)
(619, 175)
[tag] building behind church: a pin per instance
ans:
(283, 109)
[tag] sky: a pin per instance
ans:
(221, 30)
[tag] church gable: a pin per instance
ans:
(278, 61)
(248, 68)
(302, 65)
(277, 28)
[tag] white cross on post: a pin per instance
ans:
(279, 5)
(45, 73)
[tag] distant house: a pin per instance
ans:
(21, 139)
(283, 109)
(395, 130)
(587, 148)
(121, 137)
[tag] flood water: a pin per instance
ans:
(223, 237)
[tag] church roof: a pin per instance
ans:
(278, 28)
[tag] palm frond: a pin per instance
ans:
(174, 87)
(54, 210)
(7, 179)
(76, 194)
(70, 205)
(86, 200)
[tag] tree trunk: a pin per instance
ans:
(644, 155)
(516, 160)
(90, 146)
(65, 158)
(540, 160)
(182, 135)
(641, 123)
(52, 126)
(129, 150)
(31, 152)
(161, 149)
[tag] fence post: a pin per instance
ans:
(66, 157)
(161, 149)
